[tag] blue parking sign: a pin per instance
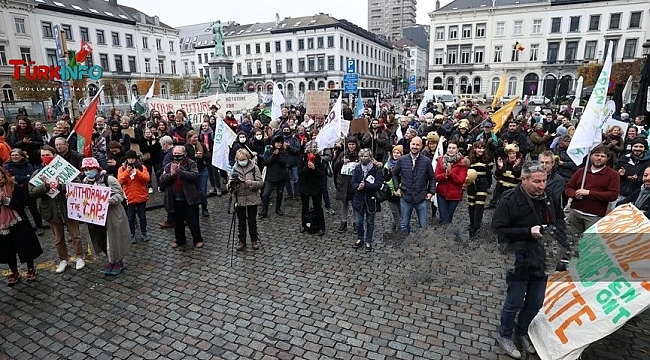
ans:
(351, 66)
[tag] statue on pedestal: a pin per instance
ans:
(239, 82)
(205, 84)
(223, 83)
(217, 30)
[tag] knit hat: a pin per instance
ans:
(90, 163)
(399, 148)
(640, 140)
(275, 124)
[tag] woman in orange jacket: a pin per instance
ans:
(134, 177)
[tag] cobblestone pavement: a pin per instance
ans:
(303, 297)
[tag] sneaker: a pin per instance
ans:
(80, 264)
(330, 211)
(526, 344)
(39, 231)
(133, 241)
(31, 275)
(150, 190)
(13, 278)
(509, 347)
(108, 268)
(255, 245)
(240, 246)
(117, 268)
(62, 266)
(145, 237)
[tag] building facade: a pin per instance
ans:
(390, 17)
(539, 43)
(417, 62)
(127, 44)
(301, 54)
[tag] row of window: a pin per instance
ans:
(465, 54)
(100, 35)
(466, 32)
(311, 64)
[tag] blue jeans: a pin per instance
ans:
(139, 209)
(407, 209)
(292, 184)
(525, 296)
(203, 186)
(370, 225)
(446, 209)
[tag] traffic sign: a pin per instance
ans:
(412, 85)
(65, 84)
(412, 79)
(350, 83)
(351, 67)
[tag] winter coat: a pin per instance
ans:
(415, 182)
(74, 158)
(136, 187)
(202, 162)
(153, 148)
(568, 167)
(119, 160)
(243, 194)
(294, 151)
(188, 175)
(276, 167)
(633, 167)
(121, 137)
(451, 186)
(540, 143)
(53, 210)
(364, 200)
(377, 144)
(22, 172)
(30, 148)
(5, 150)
(179, 134)
(344, 188)
(310, 182)
(22, 239)
(645, 207)
(115, 232)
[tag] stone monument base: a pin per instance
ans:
(221, 65)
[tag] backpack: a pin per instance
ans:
(310, 222)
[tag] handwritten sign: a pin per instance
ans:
(88, 203)
(317, 102)
(358, 126)
(607, 286)
(57, 172)
(196, 108)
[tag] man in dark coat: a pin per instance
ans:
(276, 176)
(641, 196)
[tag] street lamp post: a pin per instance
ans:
(557, 86)
(128, 92)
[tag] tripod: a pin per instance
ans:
(232, 233)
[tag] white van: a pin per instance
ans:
(444, 96)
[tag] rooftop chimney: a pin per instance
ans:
(156, 20)
(494, 3)
(437, 4)
(112, 2)
(277, 19)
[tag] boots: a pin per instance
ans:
(343, 226)
(471, 209)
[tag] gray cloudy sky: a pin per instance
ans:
(186, 12)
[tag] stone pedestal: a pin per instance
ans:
(221, 65)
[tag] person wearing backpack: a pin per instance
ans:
(310, 186)
(367, 178)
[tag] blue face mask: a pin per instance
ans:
(91, 174)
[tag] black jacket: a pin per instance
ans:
(276, 167)
(310, 182)
(645, 207)
(512, 220)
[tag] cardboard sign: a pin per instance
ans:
(57, 172)
(196, 108)
(607, 286)
(358, 126)
(348, 169)
(88, 203)
(317, 102)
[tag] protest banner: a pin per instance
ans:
(223, 138)
(88, 203)
(358, 126)
(317, 102)
(196, 108)
(56, 172)
(604, 288)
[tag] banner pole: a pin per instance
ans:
(584, 173)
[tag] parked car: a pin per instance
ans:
(508, 98)
(481, 99)
(539, 100)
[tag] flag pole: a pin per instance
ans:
(93, 99)
(584, 173)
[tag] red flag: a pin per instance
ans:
(84, 52)
(84, 128)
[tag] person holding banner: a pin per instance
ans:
(17, 237)
(521, 218)
(113, 238)
(53, 210)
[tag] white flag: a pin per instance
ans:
(434, 162)
(149, 94)
(278, 100)
(627, 91)
(589, 130)
(331, 132)
(134, 100)
(578, 93)
(223, 138)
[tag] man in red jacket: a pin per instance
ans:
(590, 202)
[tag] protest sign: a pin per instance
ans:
(88, 203)
(317, 102)
(604, 288)
(196, 108)
(56, 172)
(358, 126)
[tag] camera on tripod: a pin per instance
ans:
(234, 182)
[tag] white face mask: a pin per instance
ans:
(258, 137)
(242, 139)
(242, 162)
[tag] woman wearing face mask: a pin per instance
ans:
(245, 184)
(258, 145)
(113, 238)
(366, 180)
(17, 237)
(480, 161)
(451, 173)
(239, 143)
(393, 199)
(311, 170)
(22, 171)
(151, 151)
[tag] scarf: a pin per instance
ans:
(644, 195)
(449, 160)
(366, 168)
(8, 217)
